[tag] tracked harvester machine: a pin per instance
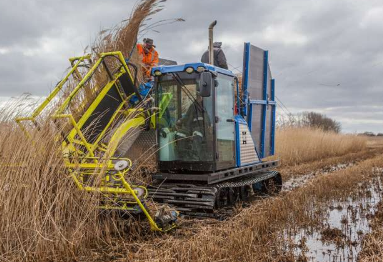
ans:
(210, 133)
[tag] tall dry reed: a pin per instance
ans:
(43, 217)
(296, 145)
(41, 213)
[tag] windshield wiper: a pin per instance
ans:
(187, 92)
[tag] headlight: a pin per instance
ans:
(200, 69)
(157, 73)
(189, 70)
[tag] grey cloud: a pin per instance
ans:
(22, 21)
(323, 54)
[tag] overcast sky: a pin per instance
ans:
(326, 55)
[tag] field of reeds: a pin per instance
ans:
(43, 217)
(299, 145)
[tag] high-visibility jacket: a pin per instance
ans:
(149, 59)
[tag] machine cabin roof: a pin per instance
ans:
(182, 68)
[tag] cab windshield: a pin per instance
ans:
(185, 120)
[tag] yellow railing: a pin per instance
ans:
(81, 163)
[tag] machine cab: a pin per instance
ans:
(195, 122)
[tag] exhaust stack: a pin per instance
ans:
(211, 49)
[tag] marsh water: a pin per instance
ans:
(343, 227)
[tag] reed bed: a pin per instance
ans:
(297, 145)
(41, 214)
(43, 217)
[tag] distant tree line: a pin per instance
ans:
(367, 133)
(312, 120)
(316, 120)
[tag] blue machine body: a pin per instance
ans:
(144, 90)
(255, 106)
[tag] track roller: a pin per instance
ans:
(270, 186)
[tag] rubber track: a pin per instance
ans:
(199, 201)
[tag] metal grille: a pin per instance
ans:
(255, 84)
(256, 125)
(249, 180)
(248, 154)
(143, 150)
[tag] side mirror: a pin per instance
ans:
(205, 84)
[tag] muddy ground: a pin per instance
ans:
(325, 212)
(346, 222)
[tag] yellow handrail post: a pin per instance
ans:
(152, 223)
(58, 87)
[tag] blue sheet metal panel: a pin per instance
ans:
(258, 102)
(270, 120)
(245, 78)
(269, 85)
(274, 109)
(250, 116)
(237, 145)
(269, 117)
(240, 119)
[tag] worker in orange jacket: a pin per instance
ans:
(149, 56)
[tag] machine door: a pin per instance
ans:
(184, 125)
(225, 126)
